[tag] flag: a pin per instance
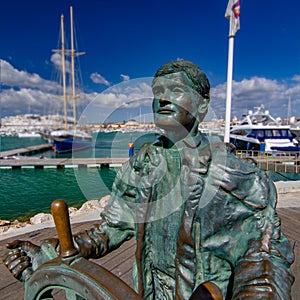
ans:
(233, 14)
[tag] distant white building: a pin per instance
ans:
(13, 125)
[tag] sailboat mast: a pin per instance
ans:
(73, 66)
(63, 62)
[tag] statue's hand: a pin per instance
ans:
(259, 291)
(19, 259)
(25, 257)
(91, 243)
(84, 244)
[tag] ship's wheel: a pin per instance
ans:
(72, 277)
(81, 279)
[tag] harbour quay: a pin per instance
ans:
(31, 150)
(286, 162)
(61, 163)
(21, 158)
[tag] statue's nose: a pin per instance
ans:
(163, 99)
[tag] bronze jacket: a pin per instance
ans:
(198, 213)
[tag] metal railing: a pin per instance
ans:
(287, 161)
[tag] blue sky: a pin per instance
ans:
(128, 40)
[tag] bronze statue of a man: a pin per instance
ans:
(197, 212)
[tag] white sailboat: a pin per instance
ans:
(68, 140)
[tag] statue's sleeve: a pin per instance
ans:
(264, 269)
(117, 220)
(261, 254)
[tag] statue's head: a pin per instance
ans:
(181, 97)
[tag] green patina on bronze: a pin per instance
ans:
(200, 216)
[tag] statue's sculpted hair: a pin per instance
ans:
(194, 73)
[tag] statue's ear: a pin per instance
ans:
(203, 107)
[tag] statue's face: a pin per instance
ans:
(175, 103)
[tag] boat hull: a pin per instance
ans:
(70, 145)
(244, 144)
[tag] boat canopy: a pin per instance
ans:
(260, 117)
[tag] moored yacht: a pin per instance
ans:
(261, 132)
(65, 141)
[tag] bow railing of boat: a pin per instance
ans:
(277, 161)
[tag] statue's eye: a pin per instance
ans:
(177, 90)
(157, 90)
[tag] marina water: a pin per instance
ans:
(28, 191)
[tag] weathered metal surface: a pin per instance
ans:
(80, 277)
(59, 209)
(75, 276)
(198, 213)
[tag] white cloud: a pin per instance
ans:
(253, 92)
(127, 95)
(12, 77)
(296, 78)
(22, 90)
(125, 77)
(56, 59)
(27, 100)
(99, 79)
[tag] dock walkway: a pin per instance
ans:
(286, 162)
(120, 261)
(60, 163)
(26, 151)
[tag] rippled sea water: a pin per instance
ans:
(26, 192)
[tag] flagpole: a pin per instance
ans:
(233, 14)
(229, 88)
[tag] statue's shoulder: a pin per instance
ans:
(148, 154)
(225, 154)
(240, 177)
